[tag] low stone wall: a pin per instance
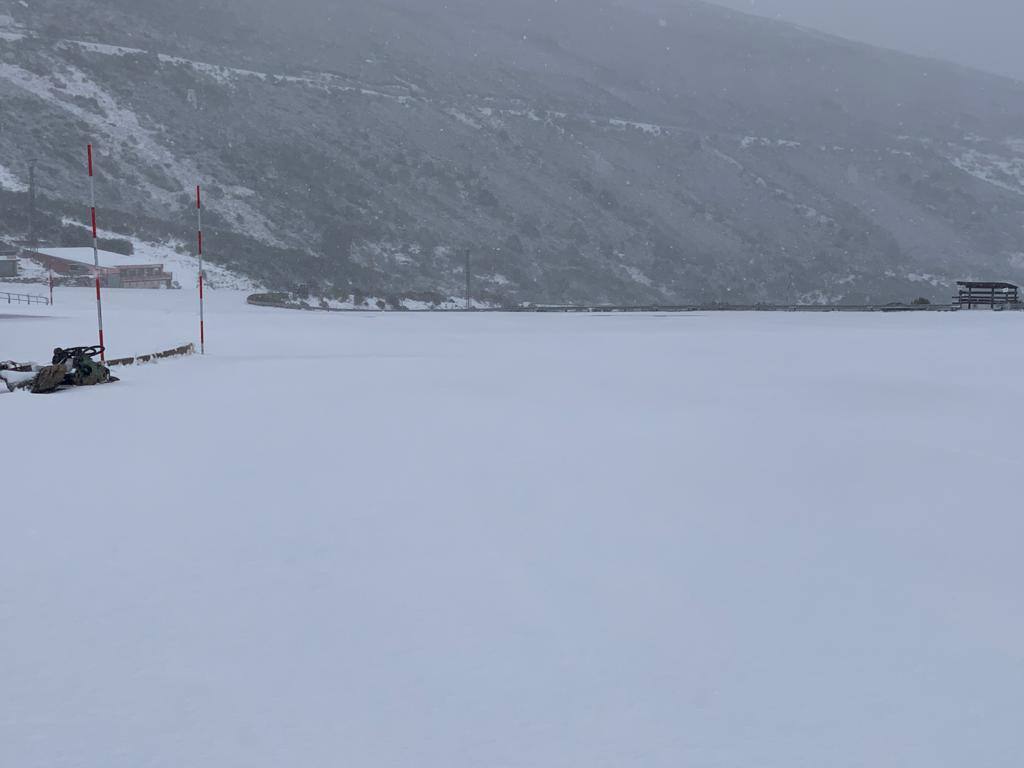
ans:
(183, 351)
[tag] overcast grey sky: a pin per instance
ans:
(988, 34)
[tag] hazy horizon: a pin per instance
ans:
(983, 34)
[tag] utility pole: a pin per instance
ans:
(469, 284)
(33, 238)
(33, 234)
(96, 257)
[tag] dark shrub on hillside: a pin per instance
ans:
(79, 237)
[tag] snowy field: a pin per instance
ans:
(723, 540)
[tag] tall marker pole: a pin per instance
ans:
(96, 257)
(202, 309)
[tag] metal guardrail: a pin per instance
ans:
(658, 309)
(23, 298)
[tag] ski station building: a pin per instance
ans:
(116, 270)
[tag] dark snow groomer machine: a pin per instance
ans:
(74, 367)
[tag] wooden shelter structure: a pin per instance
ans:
(987, 295)
(8, 260)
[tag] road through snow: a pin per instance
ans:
(444, 540)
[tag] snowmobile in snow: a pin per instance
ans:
(73, 367)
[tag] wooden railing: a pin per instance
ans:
(23, 298)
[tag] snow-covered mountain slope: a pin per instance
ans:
(513, 540)
(582, 151)
(10, 181)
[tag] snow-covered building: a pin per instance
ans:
(116, 270)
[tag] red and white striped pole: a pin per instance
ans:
(96, 257)
(51, 286)
(202, 309)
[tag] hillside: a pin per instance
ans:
(601, 151)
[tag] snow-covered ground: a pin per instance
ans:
(728, 540)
